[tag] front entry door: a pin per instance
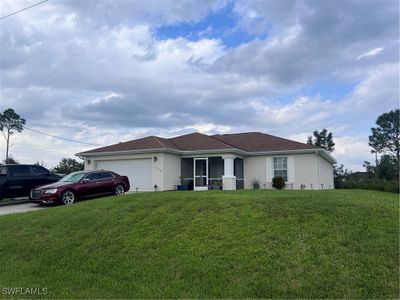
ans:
(200, 174)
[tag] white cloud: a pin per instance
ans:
(209, 128)
(372, 52)
(378, 92)
(352, 151)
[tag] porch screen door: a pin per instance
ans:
(200, 174)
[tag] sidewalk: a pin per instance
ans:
(13, 201)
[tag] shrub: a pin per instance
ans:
(255, 182)
(376, 184)
(278, 182)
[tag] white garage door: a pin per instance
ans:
(137, 170)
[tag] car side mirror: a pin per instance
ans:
(86, 180)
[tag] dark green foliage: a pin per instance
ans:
(370, 168)
(386, 137)
(216, 244)
(37, 163)
(383, 177)
(375, 184)
(11, 161)
(322, 139)
(10, 122)
(69, 165)
(387, 168)
(278, 182)
(339, 173)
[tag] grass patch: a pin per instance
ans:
(216, 244)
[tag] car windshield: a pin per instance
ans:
(73, 177)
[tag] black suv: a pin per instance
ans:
(19, 180)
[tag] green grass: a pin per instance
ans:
(242, 244)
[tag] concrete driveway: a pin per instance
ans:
(19, 208)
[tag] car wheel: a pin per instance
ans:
(119, 190)
(68, 197)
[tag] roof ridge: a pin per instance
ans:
(158, 141)
(283, 138)
(236, 133)
(176, 146)
(225, 143)
(179, 136)
(263, 133)
(202, 134)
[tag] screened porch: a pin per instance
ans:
(206, 173)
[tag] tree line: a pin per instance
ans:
(385, 143)
(383, 175)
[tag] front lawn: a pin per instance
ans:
(216, 244)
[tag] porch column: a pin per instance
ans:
(228, 179)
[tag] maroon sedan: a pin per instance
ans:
(81, 185)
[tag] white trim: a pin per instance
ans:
(287, 166)
(270, 169)
(229, 165)
(200, 188)
(291, 169)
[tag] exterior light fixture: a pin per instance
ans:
(155, 158)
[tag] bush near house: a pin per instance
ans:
(278, 183)
(217, 244)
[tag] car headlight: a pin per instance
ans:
(51, 191)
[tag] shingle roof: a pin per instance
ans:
(150, 142)
(250, 142)
(198, 141)
(257, 141)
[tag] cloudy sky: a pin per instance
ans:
(101, 72)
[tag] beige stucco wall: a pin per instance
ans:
(254, 167)
(307, 171)
(172, 171)
(325, 173)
